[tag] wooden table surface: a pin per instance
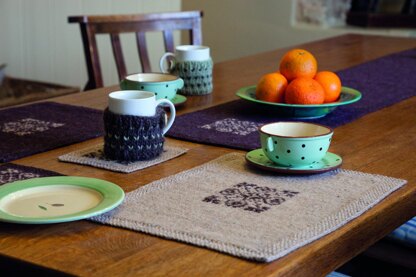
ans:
(383, 142)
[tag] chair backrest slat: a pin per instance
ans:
(91, 55)
(143, 54)
(118, 56)
(168, 39)
(114, 25)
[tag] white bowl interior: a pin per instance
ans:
(131, 94)
(295, 129)
(151, 77)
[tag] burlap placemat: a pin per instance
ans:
(94, 156)
(226, 206)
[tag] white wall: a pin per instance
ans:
(38, 43)
(234, 28)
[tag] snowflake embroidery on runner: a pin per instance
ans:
(10, 175)
(250, 197)
(232, 125)
(28, 126)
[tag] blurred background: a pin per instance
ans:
(37, 42)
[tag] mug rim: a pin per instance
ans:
(115, 95)
(173, 79)
(328, 132)
(191, 47)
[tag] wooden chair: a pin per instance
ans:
(138, 24)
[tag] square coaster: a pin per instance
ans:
(94, 156)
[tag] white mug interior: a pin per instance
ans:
(132, 102)
(185, 53)
(295, 129)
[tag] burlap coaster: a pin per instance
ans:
(94, 156)
(226, 206)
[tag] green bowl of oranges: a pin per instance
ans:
(298, 90)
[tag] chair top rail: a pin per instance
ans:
(133, 17)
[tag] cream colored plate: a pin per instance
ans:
(57, 199)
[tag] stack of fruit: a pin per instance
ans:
(299, 82)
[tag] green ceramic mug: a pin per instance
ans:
(295, 144)
(164, 86)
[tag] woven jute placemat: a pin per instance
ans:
(227, 206)
(94, 156)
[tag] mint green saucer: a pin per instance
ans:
(178, 100)
(57, 199)
(329, 162)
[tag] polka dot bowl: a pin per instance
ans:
(163, 85)
(295, 144)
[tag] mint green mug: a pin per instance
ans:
(295, 144)
(164, 86)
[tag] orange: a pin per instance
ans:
(331, 84)
(304, 90)
(271, 87)
(298, 63)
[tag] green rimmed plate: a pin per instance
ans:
(57, 199)
(258, 159)
(348, 96)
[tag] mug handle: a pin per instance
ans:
(172, 113)
(171, 64)
(270, 144)
(181, 83)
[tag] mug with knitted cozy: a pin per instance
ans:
(134, 125)
(194, 65)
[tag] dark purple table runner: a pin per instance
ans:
(382, 82)
(41, 127)
(12, 172)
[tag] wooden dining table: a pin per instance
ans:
(382, 142)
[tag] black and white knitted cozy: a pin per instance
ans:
(133, 138)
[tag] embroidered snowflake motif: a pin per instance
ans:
(250, 197)
(232, 125)
(10, 175)
(28, 126)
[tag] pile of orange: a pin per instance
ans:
(299, 82)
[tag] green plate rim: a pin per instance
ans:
(112, 194)
(243, 94)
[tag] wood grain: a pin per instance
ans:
(383, 142)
